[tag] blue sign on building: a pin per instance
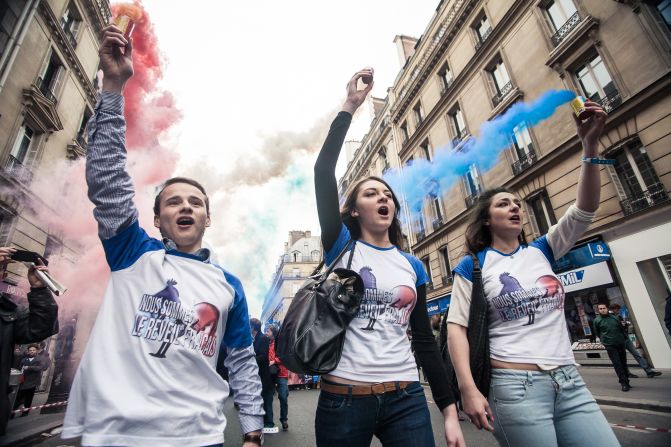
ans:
(439, 305)
(588, 254)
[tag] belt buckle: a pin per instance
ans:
(378, 388)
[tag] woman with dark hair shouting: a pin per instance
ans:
(375, 389)
(536, 395)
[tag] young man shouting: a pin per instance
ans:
(148, 376)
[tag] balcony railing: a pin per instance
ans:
(18, 171)
(421, 235)
(524, 162)
(611, 102)
(482, 39)
(496, 99)
(566, 28)
(471, 199)
(645, 199)
(438, 222)
(300, 258)
(429, 286)
(45, 89)
(447, 280)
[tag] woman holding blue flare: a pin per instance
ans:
(534, 395)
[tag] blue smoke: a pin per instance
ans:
(424, 178)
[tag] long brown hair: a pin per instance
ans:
(352, 223)
(478, 235)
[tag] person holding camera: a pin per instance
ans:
(18, 326)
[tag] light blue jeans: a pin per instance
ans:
(546, 409)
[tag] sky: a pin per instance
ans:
(258, 84)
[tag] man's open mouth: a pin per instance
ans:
(185, 221)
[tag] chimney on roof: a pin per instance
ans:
(406, 48)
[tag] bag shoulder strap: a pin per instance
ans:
(351, 255)
(335, 261)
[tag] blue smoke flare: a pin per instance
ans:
(427, 178)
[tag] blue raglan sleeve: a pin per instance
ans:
(343, 239)
(126, 247)
(418, 267)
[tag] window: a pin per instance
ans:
(50, 76)
(523, 148)
(664, 8)
(409, 161)
(437, 211)
(458, 124)
(417, 110)
(472, 185)
(446, 77)
(597, 84)
(421, 229)
(316, 255)
(541, 212)
(482, 29)
(82, 136)
(427, 267)
(9, 14)
(71, 22)
(559, 12)
(404, 131)
(500, 80)
(634, 178)
(6, 223)
(22, 144)
(445, 268)
(383, 160)
(426, 149)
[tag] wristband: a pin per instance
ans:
(598, 161)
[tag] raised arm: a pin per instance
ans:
(110, 187)
(326, 185)
(562, 236)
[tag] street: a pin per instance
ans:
(302, 406)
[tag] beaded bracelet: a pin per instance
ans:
(598, 161)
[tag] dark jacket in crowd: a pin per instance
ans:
(609, 330)
(261, 345)
(667, 314)
(32, 373)
(20, 326)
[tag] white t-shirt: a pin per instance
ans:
(148, 375)
(526, 299)
(376, 346)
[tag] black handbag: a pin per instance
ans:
(478, 338)
(311, 338)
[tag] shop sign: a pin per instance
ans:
(588, 254)
(586, 277)
(439, 305)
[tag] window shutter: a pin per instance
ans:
(617, 184)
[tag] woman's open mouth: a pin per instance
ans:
(383, 211)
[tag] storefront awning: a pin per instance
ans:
(586, 277)
(588, 254)
(439, 305)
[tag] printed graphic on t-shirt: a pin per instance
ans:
(515, 302)
(162, 317)
(393, 306)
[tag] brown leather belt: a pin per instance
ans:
(363, 390)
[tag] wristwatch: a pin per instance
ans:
(253, 437)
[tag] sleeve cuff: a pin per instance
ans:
(249, 423)
(581, 215)
(111, 102)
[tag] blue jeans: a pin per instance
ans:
(398, 418)
(283, 396)
(549, 409)
(643, 363)
(267, 395)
